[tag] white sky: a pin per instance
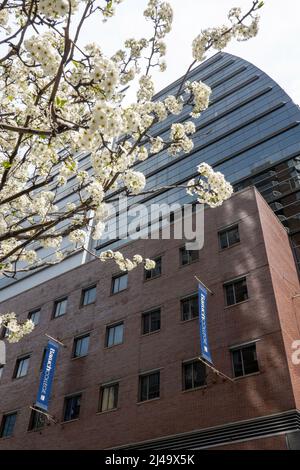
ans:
(275, 50)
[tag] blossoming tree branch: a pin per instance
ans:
(60, 99)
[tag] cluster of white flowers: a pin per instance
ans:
(106, 74)
(135, 181)
(3, 17)
(146, 89)
(173, 105)
(179, 137)
(125, 264)
(157, 144)
(56, 8)
(219, 37)
(41, 51)
(162, 10)
(210, 187)
(15, 330)
(78, 237)
(200, 94)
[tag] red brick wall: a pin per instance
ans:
(176, 411)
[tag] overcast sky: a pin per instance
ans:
(275, 49)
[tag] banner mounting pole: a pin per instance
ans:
(56, 340)
(210, 291)
(216, 371)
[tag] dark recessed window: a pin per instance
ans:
(229, 237)
(43, 358)
(151, 321)
(21, 367)
(72, 407)
(194, 375)
(119, 283)
(188, 256)
(60, 307)
(34, 316)
(109, 397)
(189, 308)
(155, 272)
(88, 296)
(244, 360)
(4, 332)
(149, 386)
(8, 424)
(236, 291)
(37, 420)
(1, 371)
(114, 334)
(81, 346)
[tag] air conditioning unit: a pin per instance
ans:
(276, 206)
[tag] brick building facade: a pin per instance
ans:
(129, 376)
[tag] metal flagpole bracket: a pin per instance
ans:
(48, 416)
(56, 340)
(216, 371)
(202, 283)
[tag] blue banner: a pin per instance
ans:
(47, 376)
(202, 302)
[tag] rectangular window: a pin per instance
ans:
(34, 316)
(194, 375)
(88, 296)
(43, 358)
(149, 386)
(155, 272)
(244, 360)
(189, 308)
(1, 371)
(119, 283)
(60, 307)
(81, 346)
(236, 291)
(21, 367)
(72, 407)
(8, 424)
(229, 237)
(188, 256)
(109, 397)
(114, 334)
(150, 321)
(37, 421)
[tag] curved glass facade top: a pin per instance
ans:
(250, 132)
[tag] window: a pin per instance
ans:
(188, 256)
(149, 386)
(4, 332)
(88, 296)
(109, 397)
(43, 358)
(1, 371)
(119, 283)
(8, 424)
(114, 334)
(189, 308)
(81, 346)
(244, 360)
(72, 407)
(151, 321)
(194, 375)
(229, 237)
(236, 291)
(155, 272)
(37, 420)
(60, 307)
(21, 368)
(34, 316)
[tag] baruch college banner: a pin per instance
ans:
(47, 376)
(202, 302)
